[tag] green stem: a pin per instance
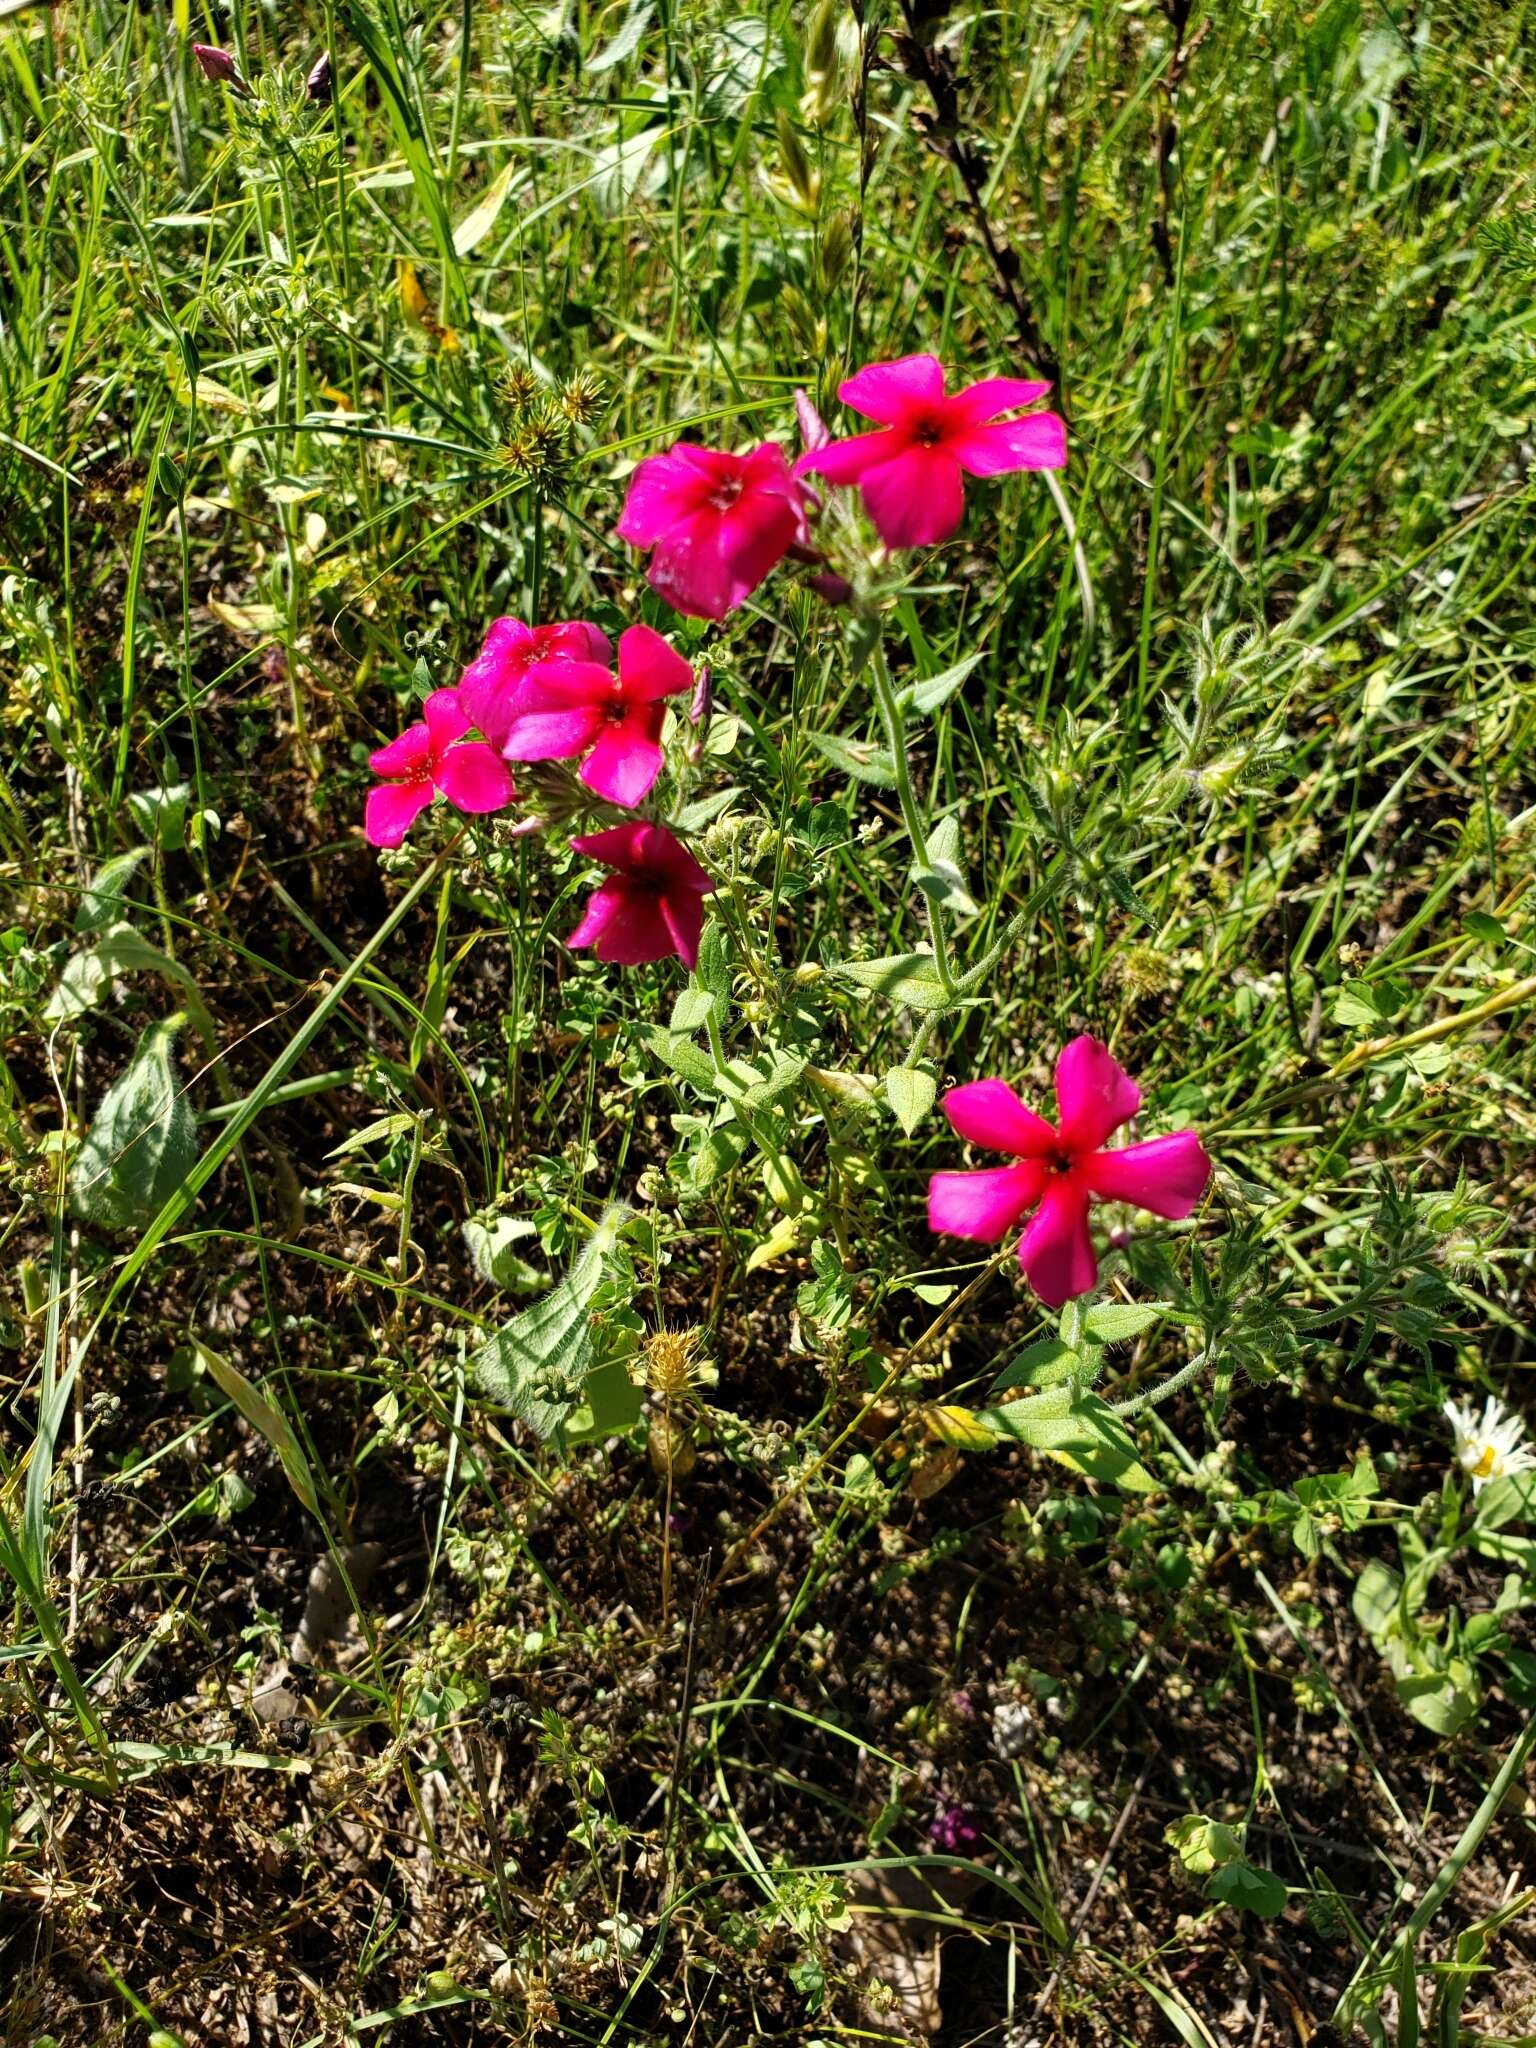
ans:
(917, 831)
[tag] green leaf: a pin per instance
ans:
(1115, 1322)
(1441, 1701)
(1375, 1597)
(930, 695)
(625, 43)
(611, 1404)
(1482, 926)
(142, 1142)
(693, 1009)
(490, 1241)
(1079, 1429)
(861, 759)
(1048, 1362)
(1507, 1500)
(910, 1092)
(678, 1051)
(1250, 1890)
(481, 218)
(1355, 1006)
(538, 1364)
(102, 902)
(910, 978)
(267, 1419)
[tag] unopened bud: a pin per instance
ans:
(836, 249)
(702, 701)
(219, 67)
(814, 431)
(318, 84)
(831, 587)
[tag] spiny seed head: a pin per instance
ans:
(669, 1361)
(540, 450)
(1143, 971)
(581, 400)
(517, 387)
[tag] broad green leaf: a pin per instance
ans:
(1046, 1363)
(1250, 1890)
(686, 1060)
(102, 902)
(693, 1010)
(490, 1242)
(1202, 1844)
(142, 1142)
(910, 978)
(611, 1404)
(862, 759)
(910, 1091)
(1355, 1006)
(1079, 1429)
(961, 1427)
(267, 1419)
(481, 218)
(1484, 927)
(929, 696)
(537, 1365)
(1507, 1500)
(626, 42)
(1116, 1322)
(1375, 1597)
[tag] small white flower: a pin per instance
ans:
(1489, 1447)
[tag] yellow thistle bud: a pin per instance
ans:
(670, 1356)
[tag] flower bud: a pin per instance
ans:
(814, 431)
(831, 587)
(219, 67)
(702, 701)
(318, 84)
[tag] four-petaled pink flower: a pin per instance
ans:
(652, 905)
(425, 763)
(490, 689)
(1061, 1169)
(565, 707)
(717, 523)
(912, 472)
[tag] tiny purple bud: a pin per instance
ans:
(219, 67)
(1121, 1236)
(953, 1828)
(318, 84)
(814, 431)
(703, 699)
(962, 1706)
(834, 588)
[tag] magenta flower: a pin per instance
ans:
(565, 707)
(491, 686)
(717, 523)
(912, 472)
(219, 67)
(653, 905)
(1062, 1169)
(425, 763)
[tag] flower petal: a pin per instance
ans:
(446, 719)
(989, 1113)
(844, 462)
(984, 1206)
(557, 684)
(984, 401)
(474, 778)
(552, 735)
(1056, 1251)
(604, 904)
(623, 765)
(666, 488)
(884, 391)
(619, 846)
(683, 914)
(391, 810)
(650, 667)
(407, 755)
(1166, 1175)
(916, 499)
(1038, 441)
(666, 855)
(1094, 1094)
(634, 930)
(689, 570)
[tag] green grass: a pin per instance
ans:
(612, 1738)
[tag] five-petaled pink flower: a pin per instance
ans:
(912, 472)
(565, 707)
(653, 903)
(717, 523)
(1061, 1169)
(490, 689)
(425, 762)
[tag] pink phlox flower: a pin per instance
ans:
(716, 523)
(429, 760)
(652, 905)
(1059, 1169)
(567, 707)
(912, 471)
(490, 688)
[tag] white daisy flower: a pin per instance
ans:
(1489, 1446)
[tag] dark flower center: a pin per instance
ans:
(725, 493)
(927, 430)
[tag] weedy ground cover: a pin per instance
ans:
(766, 1061)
